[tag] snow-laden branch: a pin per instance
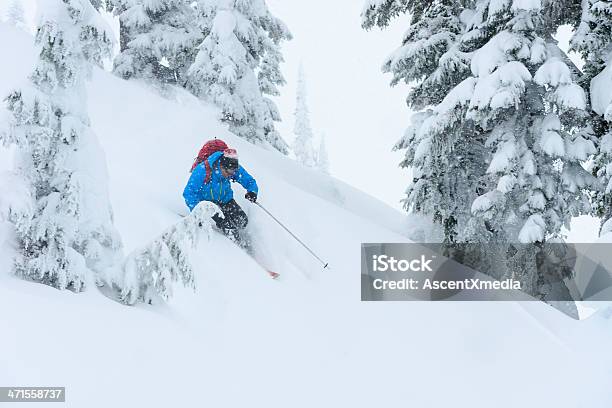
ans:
(149, 274)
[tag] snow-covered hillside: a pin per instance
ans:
(244, 340)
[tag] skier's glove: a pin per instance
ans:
(251, 196)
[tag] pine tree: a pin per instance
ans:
(524, 96)
(497, 147)
(271, 78)
(303, 143)
(322, 156)
(445, 151)
(15, 15)
(237, 64)
(97, 4)
(593, 40)
(67, 229)
(503, 99)
(158, 40)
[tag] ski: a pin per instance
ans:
(247, 249)
(272, 274)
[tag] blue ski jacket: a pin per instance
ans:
(218, 189)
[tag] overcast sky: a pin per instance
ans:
(348, 96)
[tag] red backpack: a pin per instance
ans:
(210, 147)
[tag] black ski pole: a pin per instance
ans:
(325, 264)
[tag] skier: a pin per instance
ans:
(210, 181)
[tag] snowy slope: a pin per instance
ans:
(244, 340)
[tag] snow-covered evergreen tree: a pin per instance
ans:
(67, 230)
(98, 4)
(271, 78)
(322, 156)
(593, 40)
(524, 96)
(445, 151)
(148, 274)
(158, 39)
(503, 99)
(15, 14)
(303, 144)
(237, 65)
